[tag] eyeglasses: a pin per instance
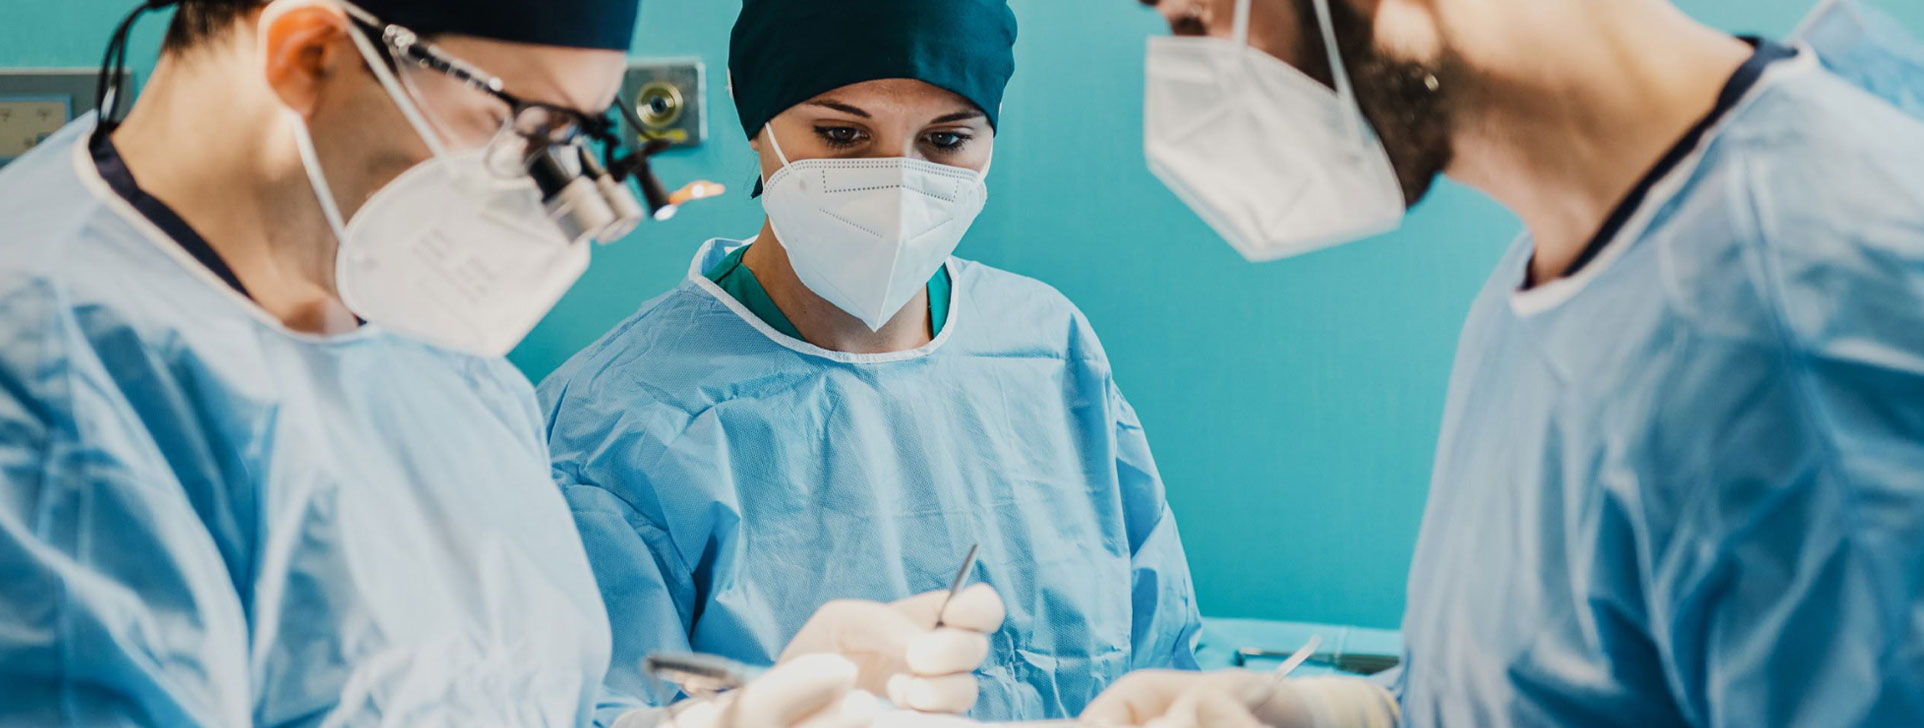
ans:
(549, 144)
(535, 120)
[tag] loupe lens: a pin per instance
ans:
(507, 157)
(627, 209)
(572, 200)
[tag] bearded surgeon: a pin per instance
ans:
(1681, 474)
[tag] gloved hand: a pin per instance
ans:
(1241, 699)
(812, 691)
(912, 719)
(899, 652)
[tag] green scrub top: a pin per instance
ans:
(739, 282)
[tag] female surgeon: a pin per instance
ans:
(839, 408)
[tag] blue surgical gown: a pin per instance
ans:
(210, 520)
(1686, 485)
(729, 480)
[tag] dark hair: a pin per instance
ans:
(199, 20)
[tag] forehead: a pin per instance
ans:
(902, 95)
(580, 78)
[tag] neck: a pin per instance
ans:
(1563, 139)
(215, 145)
(822, 323)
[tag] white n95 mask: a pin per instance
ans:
(1274, 161)
(866, 234)
(451, 252)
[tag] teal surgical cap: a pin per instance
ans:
(600, 24)
(785, 52)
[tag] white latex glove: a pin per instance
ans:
(897, 650)
(1241, 699)
(814, 691)
(911, 719)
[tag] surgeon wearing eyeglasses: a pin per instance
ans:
(263, 462)
(1681, 472)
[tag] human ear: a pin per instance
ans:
(304, 44)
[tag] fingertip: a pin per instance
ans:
(947, 651)
(978, 607)
(925, 604)
(898, 689)
(950, 694)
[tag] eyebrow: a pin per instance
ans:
(961, 116)
(858, 111)
(839, 106)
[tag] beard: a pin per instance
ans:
(1408, 103)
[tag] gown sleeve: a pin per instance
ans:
(119, 608)
(1165, 624)
(648, 592)
(1800, 602)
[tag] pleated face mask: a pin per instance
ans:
(1276, 162)
(866, 234)
(452, 252)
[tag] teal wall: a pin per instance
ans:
(1293, 406)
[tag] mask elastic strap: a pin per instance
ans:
(311, 161)
(1241, 32)
(1339, 74)
(776, 143)
(372, 57)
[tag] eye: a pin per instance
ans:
(949, 141)
(841, 137)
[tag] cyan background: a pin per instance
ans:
(1293, 406)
